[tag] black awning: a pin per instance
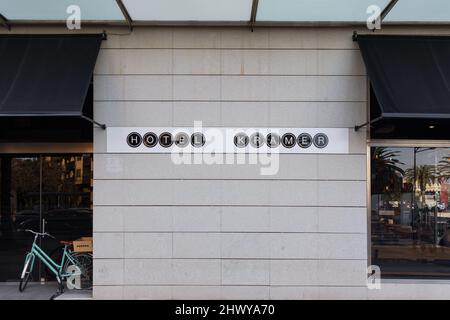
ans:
(46, 75)
(410, 75)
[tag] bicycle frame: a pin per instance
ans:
(56, 268)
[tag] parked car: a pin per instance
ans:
(440, 206)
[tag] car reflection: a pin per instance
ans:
(64, 224)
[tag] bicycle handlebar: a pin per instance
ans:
(42, 234)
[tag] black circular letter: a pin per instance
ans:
(182, 139)
(320, 140)
(304, 140)
(198, 139)
(256, 140)
(150, 139)
(288, 140)
(134, 139)
(165, 139)
(273, 140)
(241, 140)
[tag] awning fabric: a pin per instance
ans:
(410, 75)
(46, 75)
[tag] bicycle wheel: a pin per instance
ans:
(26, 272)
(84, 262)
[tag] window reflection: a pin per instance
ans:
(410, 217)
(67, 195)
(37, 192)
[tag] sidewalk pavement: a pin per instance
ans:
(37, 291)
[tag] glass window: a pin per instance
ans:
(227, 10)
(410, 214)
(420, 11)
(316, 10)
(66, 196)
(42, 192)
(192, 10)
(98, 10)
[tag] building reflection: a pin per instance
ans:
(43, 192)
(410, 218)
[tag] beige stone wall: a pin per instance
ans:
(225, 232)
(164, 231)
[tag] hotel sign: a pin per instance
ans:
(227, 140)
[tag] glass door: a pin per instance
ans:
(51, 193)
(66, 199)
(20, 209)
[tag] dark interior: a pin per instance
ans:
(48, 128)
(404, 128)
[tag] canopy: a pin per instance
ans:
(409, 86)
(410, 75)
(46, 75)
(225, 12)
(46, 87)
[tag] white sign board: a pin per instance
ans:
(227, 140)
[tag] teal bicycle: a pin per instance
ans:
(72, 264)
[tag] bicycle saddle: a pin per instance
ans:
(66, 243)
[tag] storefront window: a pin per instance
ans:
(410, 214)
(42, 193)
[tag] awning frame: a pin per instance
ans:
(253, 14)
(100, 125)
(4, 22)
(357, 127)
(126, 14)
